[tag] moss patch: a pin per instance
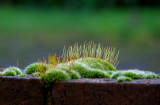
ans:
(32, 68)
(22, 75)
(17, 70)
(9, 73)
(134, 74)
(122, 79)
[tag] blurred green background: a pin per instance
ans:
(31, 29)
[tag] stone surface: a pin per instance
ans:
(29, 91)
(20, 91)
(107, 92)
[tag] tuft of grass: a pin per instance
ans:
(17, 70)
(122, 79)
(9, 73)
(92, 50)
(22, 75)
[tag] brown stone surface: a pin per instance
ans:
(107, 92)
(29, 91)
(20, 91)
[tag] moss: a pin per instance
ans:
(72, 74)
(54, 75)
(115, 74)
(86, 72)
(86, 68)
(9, 73)
(137, 74)
(132, 75)
(1, 73)
(22, 75)
(97, 63)
(149, 75)
(32, 68)
(122, 79)
(36, 74)
(107, 75)
(17, 70)
(110, 72)
(157, 76)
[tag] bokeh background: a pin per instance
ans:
(31, 29)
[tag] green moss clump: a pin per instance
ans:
(149, 75)
(36, 74)
(107, 75)
(72, 74)
(137, 74)
(22, 75)
(97, 63)
(87, 68)
(9, 73)
(115, 74)
(54, 75)
(17, 70)
(1, 73)
(32, 68)
(132, 75)
(157, 76)
(122, 79)
(87, 72)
